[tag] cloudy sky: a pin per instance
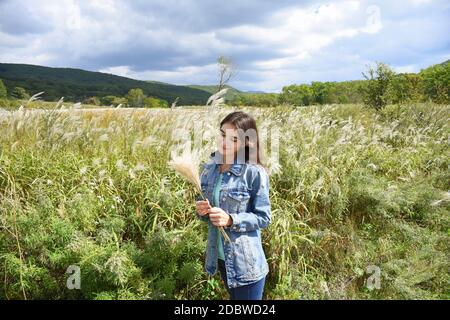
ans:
(273, 42)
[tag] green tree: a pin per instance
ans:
(346, 92)
(92, 100)
(267, 100)
(377, 89)
(256, 100)
(151, 102)
(108, 100)
(436, 82)
(4, 102)
(297, 95)
(113, 100)
(321, 92)
(20, 93)
(406, 88)
(237, 100)
(135, 98)
(3, 91)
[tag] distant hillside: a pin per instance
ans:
(231, 93)
(256, 92)
(77, 84)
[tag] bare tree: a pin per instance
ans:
(227, 71)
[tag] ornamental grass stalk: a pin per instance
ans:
(187, 166)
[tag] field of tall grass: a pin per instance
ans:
(354, 191)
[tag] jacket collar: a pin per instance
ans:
(236, 168)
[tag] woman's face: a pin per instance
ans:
(228, 142)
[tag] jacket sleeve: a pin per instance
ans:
(260, 213)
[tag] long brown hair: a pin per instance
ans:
(244, 121)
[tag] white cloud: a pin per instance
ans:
(274, 43)
(420, 2)
(406, 69)
(181, 75)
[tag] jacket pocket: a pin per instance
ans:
(237, 200)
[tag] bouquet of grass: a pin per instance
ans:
(187, 166)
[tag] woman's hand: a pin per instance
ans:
(220, 218)
(202, 207)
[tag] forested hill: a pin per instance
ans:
(77, 84)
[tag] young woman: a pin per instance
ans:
(236, 188)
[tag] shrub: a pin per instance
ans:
(377, 89)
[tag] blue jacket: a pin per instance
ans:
(245, 196)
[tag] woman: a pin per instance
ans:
(237, 186)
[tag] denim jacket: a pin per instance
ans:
(244, 195)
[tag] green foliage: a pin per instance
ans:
(113, 100)
(6, 103)
(377, 90)
(406, 88)
(150, 102)
(93, 101)
(382, 86)
(436, 82)
(366, 197)
(19, 93)
(135, 98)
(77, 85)
(3, 91)
(321, 92)
(355, 188)
(297, 95)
